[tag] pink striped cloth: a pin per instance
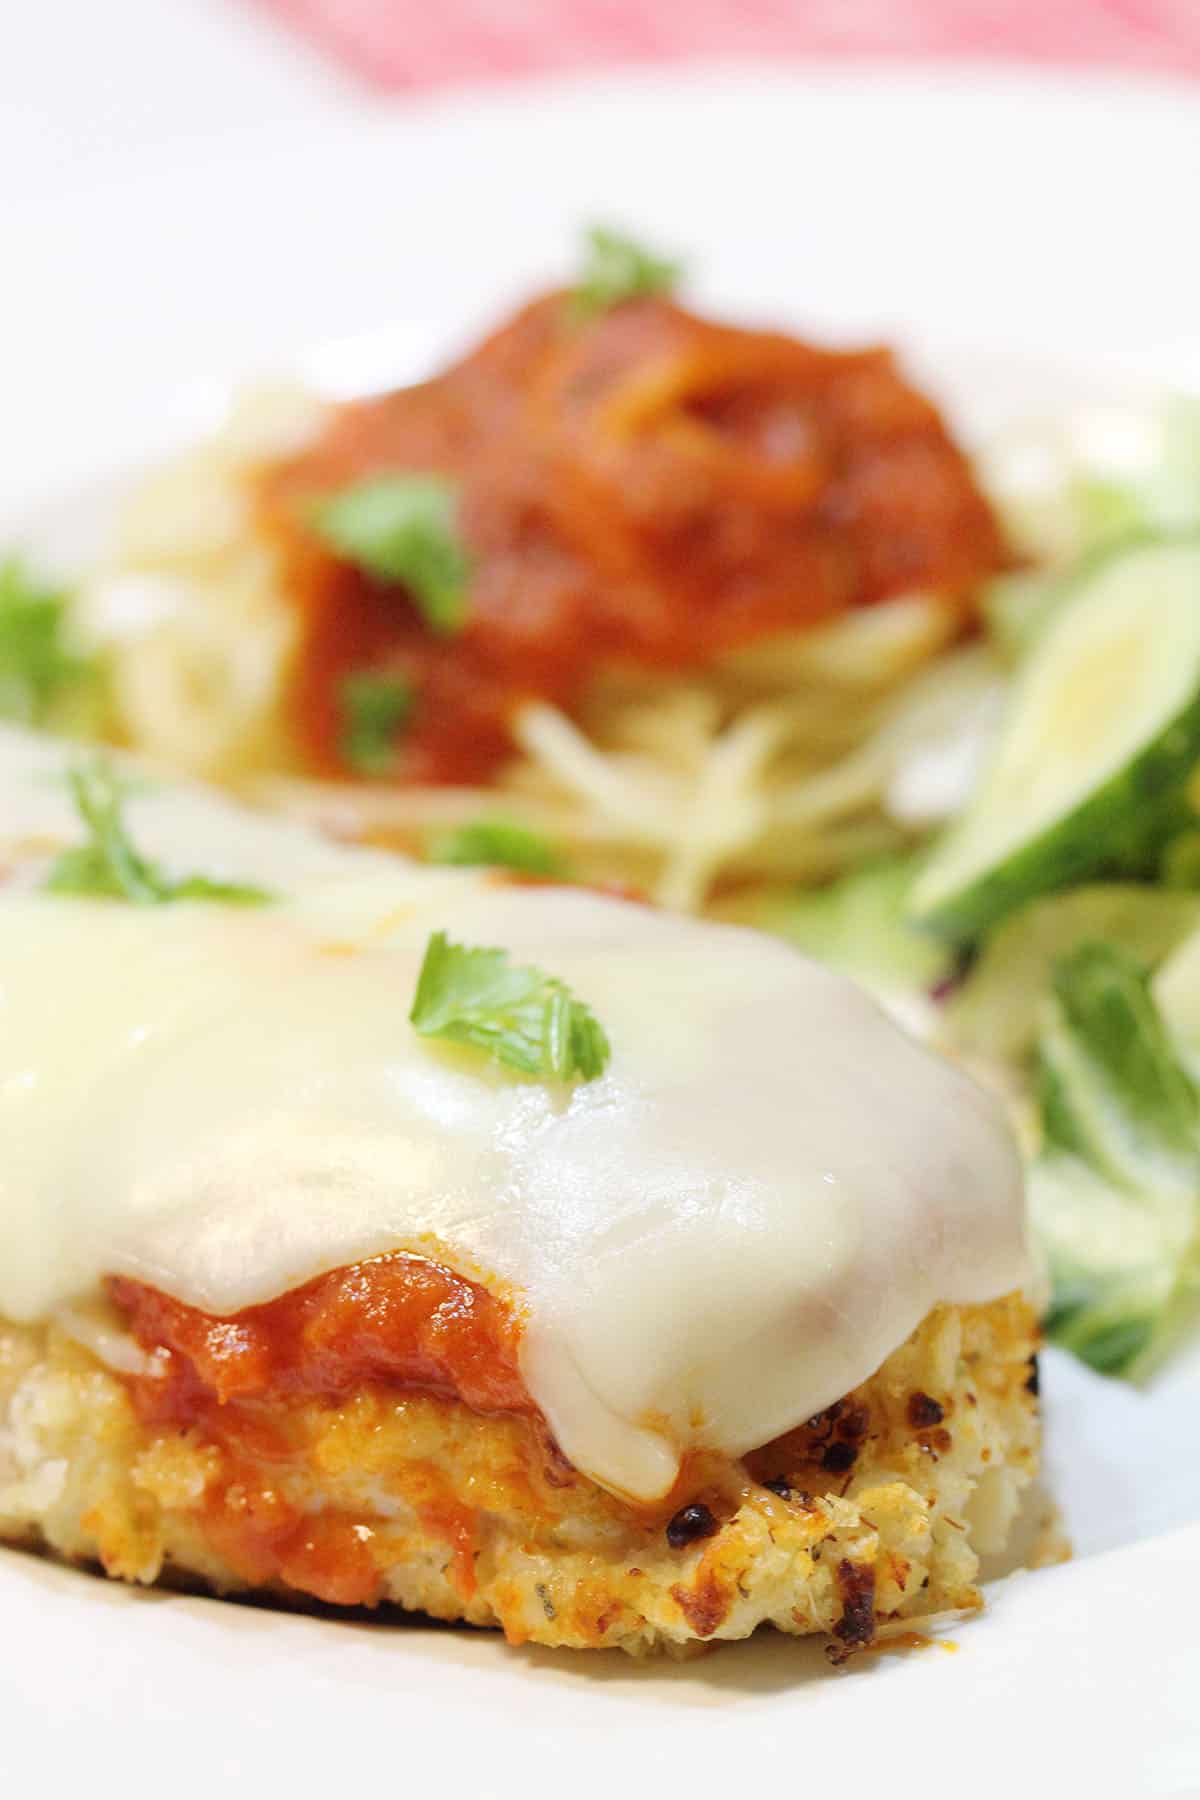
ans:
(421, 43)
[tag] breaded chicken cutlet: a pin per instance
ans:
(393, 1236)
(874, 1511)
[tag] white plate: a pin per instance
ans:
(1046, 226)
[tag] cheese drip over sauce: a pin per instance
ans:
(766, 1191)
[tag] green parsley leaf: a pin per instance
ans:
(402, 529)
(500, 843)
(109, 865)
(618, 268)
(523, 1018)
(36, 667)
(373, 706)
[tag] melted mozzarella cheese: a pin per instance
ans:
(764, 1194)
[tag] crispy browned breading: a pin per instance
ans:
(873, 1512)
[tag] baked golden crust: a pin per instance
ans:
(875, 1511)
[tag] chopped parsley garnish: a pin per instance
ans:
(618, 268)
(109, 865)
(500, 843)
(523, 1018)
(403, 530)
(374, 707)
(36, 666)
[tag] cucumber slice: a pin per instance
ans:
(996, 1011)
(1102, 731)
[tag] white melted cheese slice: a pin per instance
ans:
(760, 1199)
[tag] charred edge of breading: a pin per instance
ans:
(856, 1627)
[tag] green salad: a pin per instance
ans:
(1051, 928)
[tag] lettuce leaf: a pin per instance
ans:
(1115, 1194)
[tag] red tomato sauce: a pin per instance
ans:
(254, 1528)
(645, 488)
(395, 1321)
